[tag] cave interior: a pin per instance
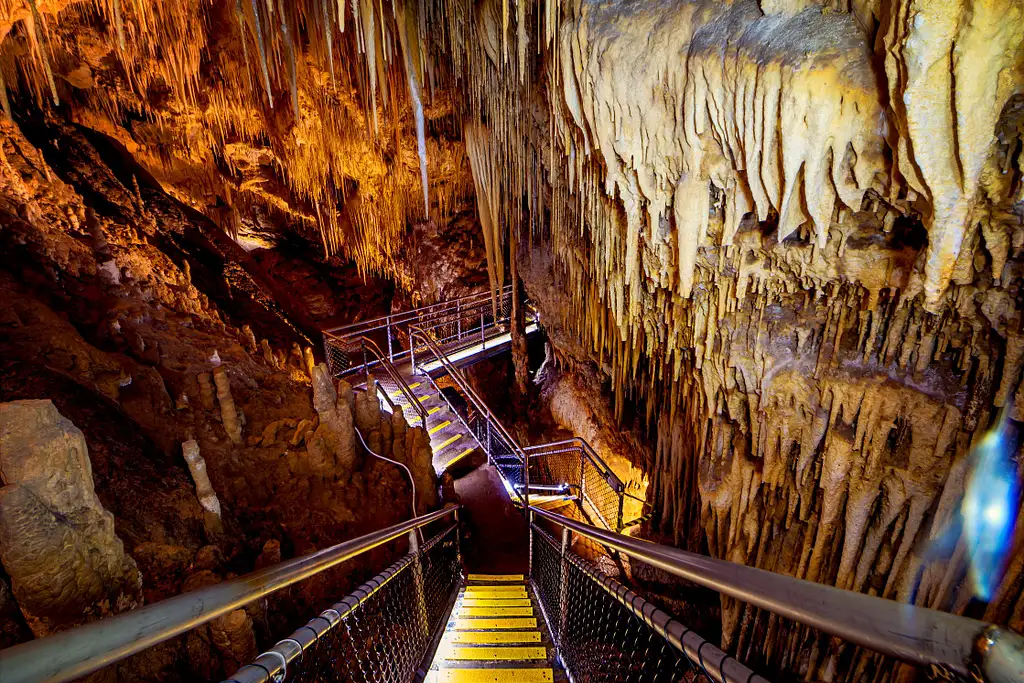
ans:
(279, 274)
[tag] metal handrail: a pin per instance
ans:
(718, 665)
(587, 450)
(273, 664)
(405, 316)
(916, 635)
(396, 377)
(478, 403)
(69, 655)
(408, 472)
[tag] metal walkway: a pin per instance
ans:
(429, 618)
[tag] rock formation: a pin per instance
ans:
(57, 541)
(204, 489)
(776, 246)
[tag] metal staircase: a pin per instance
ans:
(496, 633)
(427, 617)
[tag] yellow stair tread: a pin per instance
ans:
(495, 612)
(496, 577)
(447, 443)
(493, 637)
(460, 456)
(397, 393)
(496, 589)
(496, 623)
(472, 601)
(495, 676)
(436, 428)
(510, 653)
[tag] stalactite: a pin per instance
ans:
(370, 41)
(118, 24)
(43, 50)
(328, 27)
(289, 45)
(262, 51)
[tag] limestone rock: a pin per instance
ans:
(229, 414)
(57, 542)
(204, 488)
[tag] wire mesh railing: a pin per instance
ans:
(454, 324)
(74, 654)
(605, 632)
(600, 495)
(381, 632)
(494, 439)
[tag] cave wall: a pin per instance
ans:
(117, 307)
(782, 237)
(790, 246)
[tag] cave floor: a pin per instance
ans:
(496, 540)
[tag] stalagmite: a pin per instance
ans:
(268, 353)
(308, 361)
(204, 489)
(230, 416)
(206, 392)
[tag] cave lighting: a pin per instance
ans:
(990, 498)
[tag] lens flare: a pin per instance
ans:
(988, 506)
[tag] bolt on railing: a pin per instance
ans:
(954, 645)
(70, 655)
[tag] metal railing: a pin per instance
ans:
(454, 324)
(389, 380)
(501, 448)
(606, 632)
(382, 631)
(600, 495)
(953, 646)
(72, 654)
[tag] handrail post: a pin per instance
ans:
(366, 370)
(488, 423)
(526, 478)
(417, 573)
(618, 523)
(458, 319)
(529, 530)
(583, 479)
(563, 588)
(391, 350)
(483, 336)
